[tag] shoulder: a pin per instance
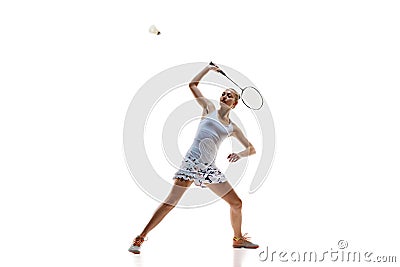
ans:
(208, 108)
(235, 126)
(236, 129)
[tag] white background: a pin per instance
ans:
(329, 71)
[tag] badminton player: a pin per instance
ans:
(198, 165)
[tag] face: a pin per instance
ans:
(228, 98)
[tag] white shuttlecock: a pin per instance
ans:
(154, 30)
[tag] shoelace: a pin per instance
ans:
(138, 241)
(244, 237)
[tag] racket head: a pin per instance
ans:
(252, 98)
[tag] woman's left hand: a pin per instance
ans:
(233, 157)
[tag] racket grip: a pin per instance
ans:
(220, 71)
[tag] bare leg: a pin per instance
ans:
(226, 192)
(169, 203)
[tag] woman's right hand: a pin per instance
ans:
(213, 67)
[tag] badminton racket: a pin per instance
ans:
(250, 96)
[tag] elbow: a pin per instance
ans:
(252, 150)
(193, 85)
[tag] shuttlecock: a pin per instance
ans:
(154, 30)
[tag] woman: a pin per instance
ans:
(199, 167)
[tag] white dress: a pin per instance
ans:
(199, 162)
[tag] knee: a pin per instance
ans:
(236, 204)
(168, 205)
(171, 201)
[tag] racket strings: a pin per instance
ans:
(252, 98)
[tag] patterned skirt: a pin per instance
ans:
(201, 173)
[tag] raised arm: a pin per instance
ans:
(204, 102)
(249, 148)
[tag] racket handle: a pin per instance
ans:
(220, 71)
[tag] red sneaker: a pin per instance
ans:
(137, 242)
(243, 242)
